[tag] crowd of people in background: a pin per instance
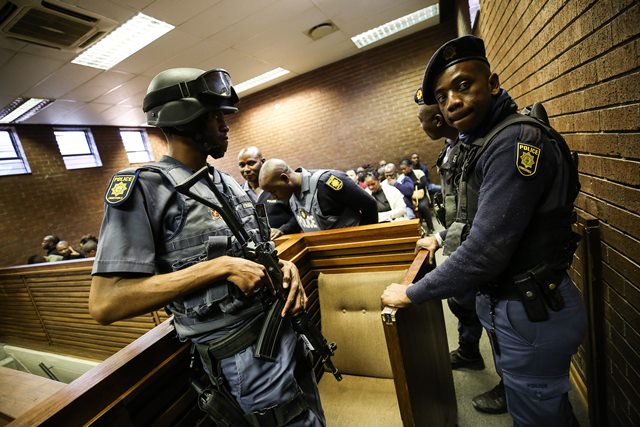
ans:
(61, 250)
(410, 178)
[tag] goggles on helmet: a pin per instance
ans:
(209, 86)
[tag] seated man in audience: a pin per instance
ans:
(66, 251)
(320, 199)
(389, 199)
(49, 244)
(415, 162)
(88, 245)
(403, 183)
(419, 187)
(89, 248)
(281, 219)
(360, 174)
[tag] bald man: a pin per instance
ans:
(281, 219)
(320, 199)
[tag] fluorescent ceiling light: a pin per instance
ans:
(262, 78)
(123, 42)
(390, 28)
(22, 108)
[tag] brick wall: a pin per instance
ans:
(581, 58)
(355, 111)
(54, 200)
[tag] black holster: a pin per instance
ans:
(219, 405)
(538, 289)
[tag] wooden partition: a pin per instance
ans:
(45, 307)
(420, 356)
(146, 382)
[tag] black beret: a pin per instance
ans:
(417, 98)
(457, 50)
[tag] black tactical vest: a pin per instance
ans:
(548, 237)
(203, 235)
(449, 169)
(307, 209)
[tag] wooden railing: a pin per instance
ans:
(146, 382)
(45, 306)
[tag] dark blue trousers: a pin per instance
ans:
(534, 357)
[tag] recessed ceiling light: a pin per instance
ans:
(392, 27)
(123, 42)
(262, 78)
(21, 109)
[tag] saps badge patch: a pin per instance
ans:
(120, 189)
(335, 183)
(527, 157)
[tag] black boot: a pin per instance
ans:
(464, 359)
(492, 402)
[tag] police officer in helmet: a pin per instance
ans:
(161, 248)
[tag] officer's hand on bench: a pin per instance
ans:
(246, 275)
(429, 243)
(395, 295)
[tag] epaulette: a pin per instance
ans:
(121, 187)
(334, 183)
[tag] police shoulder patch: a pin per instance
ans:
(527, 157)
(335, 183)
(120, 188)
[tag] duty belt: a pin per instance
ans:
(536, 288)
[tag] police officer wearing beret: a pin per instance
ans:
(463, 306)
(320, 199)
(158, 247)
(512, 235)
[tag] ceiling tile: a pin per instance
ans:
(157, 51)
(88, 114)
(99, 85)
(108, 9)
(190, 56)
(62, 81)
(175, 12)
(268, 21)
(24, 71)
(124, 91)
(55, 112)
(224, 14)
(5, 55)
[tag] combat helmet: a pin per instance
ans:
(180, 95)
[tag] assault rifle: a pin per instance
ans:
(264, 253)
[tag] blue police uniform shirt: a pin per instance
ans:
(332, 201)
(506, 204)
(278, 212)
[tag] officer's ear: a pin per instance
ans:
(494, 84)
(439, 120)
(284, 178)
